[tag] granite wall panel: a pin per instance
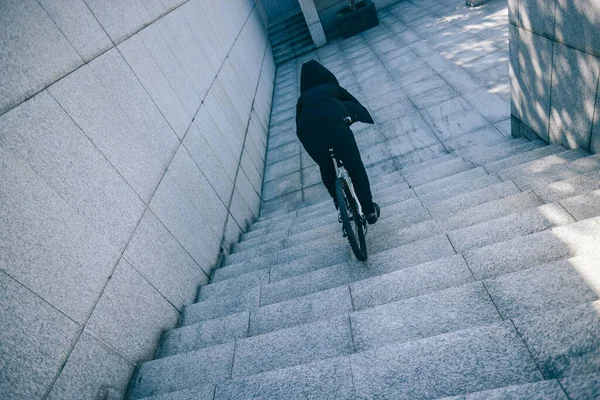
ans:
(123, 178)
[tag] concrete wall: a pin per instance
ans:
(132, 145)
(555, 69)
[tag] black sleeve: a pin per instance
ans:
(346, 96)
(298, 110)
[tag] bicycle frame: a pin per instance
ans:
(341, 172)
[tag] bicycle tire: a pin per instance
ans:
(354, 229)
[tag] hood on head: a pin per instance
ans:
(314, 74)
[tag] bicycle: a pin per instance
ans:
(354, 222)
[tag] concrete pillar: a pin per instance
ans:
(314, 23)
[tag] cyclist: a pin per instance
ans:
(323, 114)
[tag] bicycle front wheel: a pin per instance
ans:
(351, 220)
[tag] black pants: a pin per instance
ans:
(337, 135)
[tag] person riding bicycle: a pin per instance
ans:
(324, 113)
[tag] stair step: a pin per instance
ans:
(537, 390)
(205, 334)
(501, 150)
(424, 316)
(524, 157)
(437, 196)
(219, 306)
(437, 172)
(238, 285)
(490, 210)
(451, 181)
(165, 374)
(302, 310)
(560, 190)
(509, 227)
(481, 358)
(571, 335)
(380, 263)
(448, 208)
(538, 248)
(584, 206)
(543, 164)
(426, 164)
(559, 284)
(293, 346)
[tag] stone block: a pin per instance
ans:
(204, 391)
(535, 249)
(164, 375)
(30, 327)
(561, 284)
(509, 227)
(34, 52)
(328, 379)
(79, 25)
(307, 264)
(451, 181)
(205, 36)
(484, 137)
(459, 189)
(537, 16)
(584, 206)
(496, 208)
(582, 387)
(303, 310)
(43, 136)
(436, 172)
(480, 358)
(218, 307)
(293, 346)
(142, 63)
(131, 315)
(112, 108)
(410, 282)
(574, 78)
(93, 370)
(490, 105)
(577, 25)
(240, 210)
(177, 211)
(282, 186)
(163, 262)
(424, 316)
(564, 343)
(282, 168)
(235, 286)
(48, 247)
(170, 67)
(550, 390)
(187, 51)
(453, 118)
(120, 19)
(205, 334)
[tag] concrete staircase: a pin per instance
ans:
(290, 37)
(482, 282)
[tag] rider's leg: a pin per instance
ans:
(347, 150)
(317, 147)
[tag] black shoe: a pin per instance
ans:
(373, 215)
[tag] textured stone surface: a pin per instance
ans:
(46, 246)
(576, 25)
(25, 374)
(549, 390)
(302, 310)
(475, 359)
(79, 26)
(560, 284)
(218, 307)
(34, 52)
(573, 72)
(93, 370)
(120, 19)
(410, 282)
(164, 375)
(582, 387)
(293, 346)
(205, 334)
(43, 136)
(131, 320)
(105, 96)
(329, 379)
(564, 343)
(420, 317)
(584, 206)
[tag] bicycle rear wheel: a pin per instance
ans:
(351, 220)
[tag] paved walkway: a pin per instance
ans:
(434, 75)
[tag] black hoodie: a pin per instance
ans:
(322, 99)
